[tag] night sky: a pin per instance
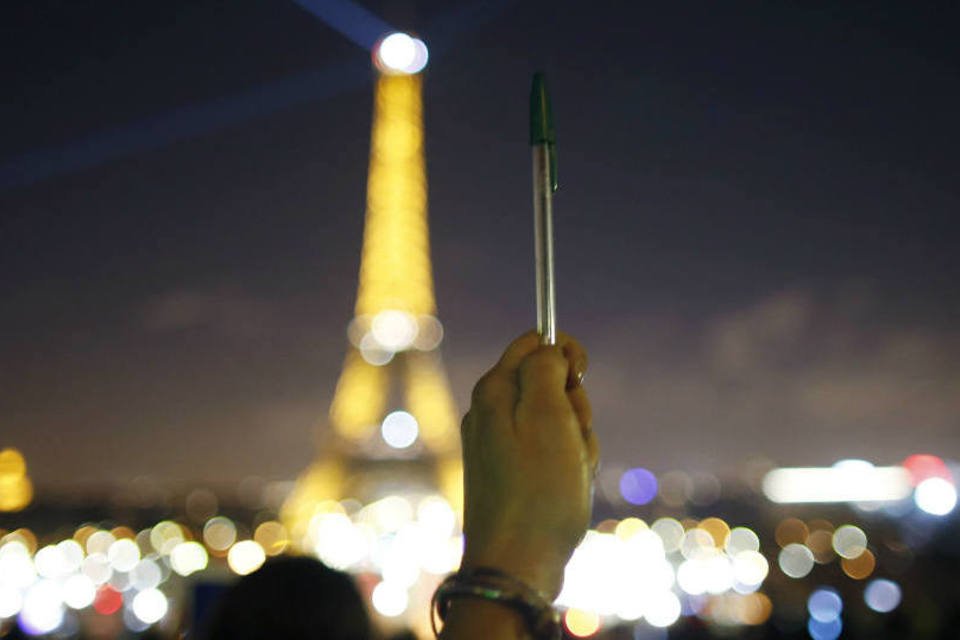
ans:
(756, 224)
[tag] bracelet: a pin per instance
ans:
(541, 618)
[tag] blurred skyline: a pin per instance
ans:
(756, 236)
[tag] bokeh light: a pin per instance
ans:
(881, 595)
(187, 558)
(219, 533)
(849, 541)
(795, 560)
(936, 496)
(638, 486)
(107, 601)
(42, 611)
(150, 606)
(245, 557)
(399, 429)
(861, 567)
(824, 604)
(401, 53)
(580, 623)
(830, 630)
(390, 600)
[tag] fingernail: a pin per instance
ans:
(575, 379)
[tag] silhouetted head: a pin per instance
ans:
(291, 598)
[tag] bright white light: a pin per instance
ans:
(663, 609)
(42, 610)
(150, 606)
(400, 53)
(394, 330)
(372, 352)
(389, 599)
(188, 557)
(670, 531)
(741, 539)
(936, 496)
(146, 575)
(849, 541)
(436, 516)
(400, 429)
(50, 562)
(750, 568)
(337, 541)
(245, 557)
(97, 568)
(795, 560)
(100, 541)
(123, 555)
(11, 600)
(79, 591)
(16, 568)
(848, 481)
(72, 554)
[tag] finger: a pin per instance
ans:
(593, 452)
(542, 377)
(516, 351)
(577, 357)
(492, 401)
(581, 406)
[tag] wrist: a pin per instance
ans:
(521, 611)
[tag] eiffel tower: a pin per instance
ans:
(393, 424)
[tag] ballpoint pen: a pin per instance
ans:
(543, 144)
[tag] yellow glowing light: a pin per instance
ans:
(16, 490)
(16, 493)
(580, 623)
(315, 492)
(359, 399)
(429, 399)
(629, 527)
(245, 557)
(861, 567)
(273, 537)
(395, 265)
(12, 464)
(717, 528)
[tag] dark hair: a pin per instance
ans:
(290, 598)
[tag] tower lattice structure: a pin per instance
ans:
(393, 423)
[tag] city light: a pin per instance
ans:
(841, 483)
(401, 53)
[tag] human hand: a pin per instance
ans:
(530, 458)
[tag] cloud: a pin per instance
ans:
(803, 376)
(225, 310)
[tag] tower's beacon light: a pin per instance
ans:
(400, 53)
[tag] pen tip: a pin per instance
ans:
(541, 118)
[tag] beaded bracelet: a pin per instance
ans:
(541, 618)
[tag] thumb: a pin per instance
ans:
(542, 378)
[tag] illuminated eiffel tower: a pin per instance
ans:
(393, 425)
